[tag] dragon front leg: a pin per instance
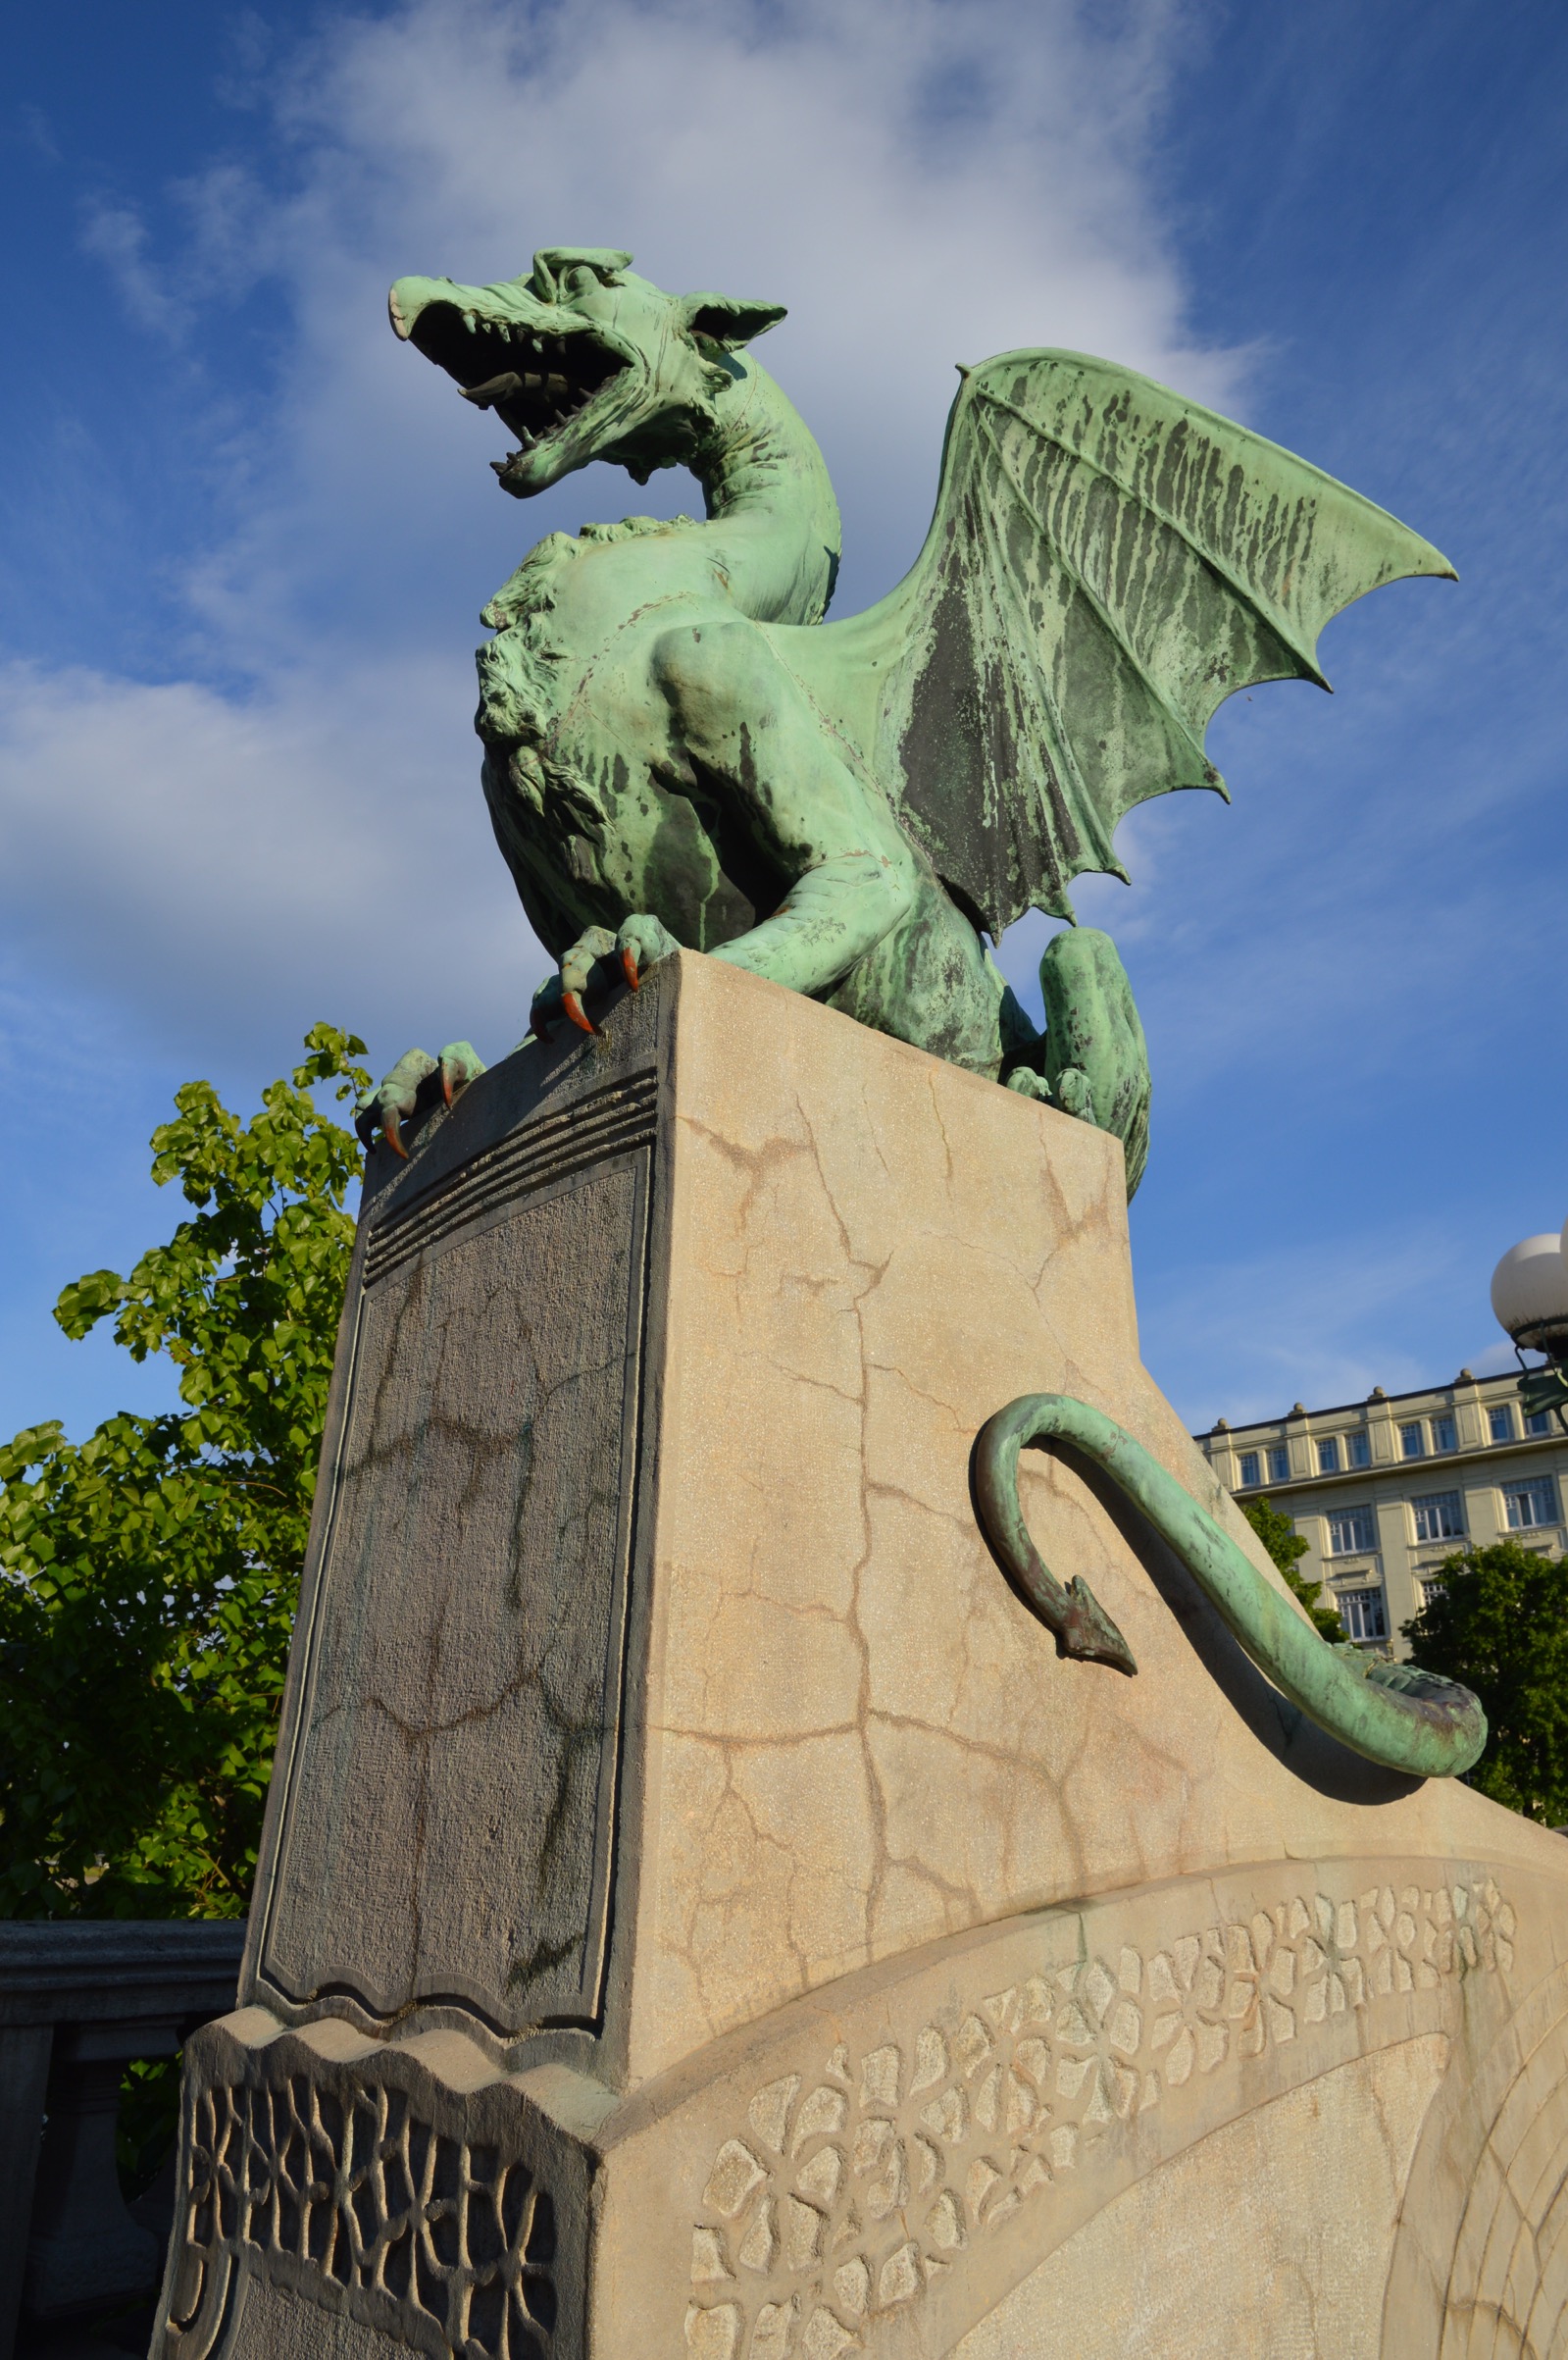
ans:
(741, 722)
(417, 1082)
(1395, 1714)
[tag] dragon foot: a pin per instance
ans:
(598, 962)
(1092, 1061)
(411, 1089)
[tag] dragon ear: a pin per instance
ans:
(724, 320)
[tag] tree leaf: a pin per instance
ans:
(148, 1576)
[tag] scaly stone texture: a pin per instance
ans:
(700, 1914)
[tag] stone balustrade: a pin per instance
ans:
(79, 2001)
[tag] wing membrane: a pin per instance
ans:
(1106, 564)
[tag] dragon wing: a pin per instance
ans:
(1107, 563)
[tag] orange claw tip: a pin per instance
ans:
(395, 1137)
(629, 967)
(574, 1007)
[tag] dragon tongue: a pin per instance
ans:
(495, 389)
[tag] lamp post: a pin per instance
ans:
(1529, 1297)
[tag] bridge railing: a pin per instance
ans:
(79, 2001)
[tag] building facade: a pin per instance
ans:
(1383, 1490)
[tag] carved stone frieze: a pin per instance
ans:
(857, 2181)
(441, 2243)
(436, 2211)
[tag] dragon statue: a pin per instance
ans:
(679, 749)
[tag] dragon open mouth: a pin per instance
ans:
(537, 383)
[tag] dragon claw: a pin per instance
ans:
(594, 969)
(459, 1064)
(417, 1084)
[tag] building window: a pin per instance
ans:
(1250, 1468)
(1530, 1505)
(1351, 1531)
(1443, 1436)
(1360, 1449)
(1361, 1612)
(1280, 1466)
(1439, 1517)
(1540, 1423)
(1430, 1592)
(1329, 1455)
(1501, 1422)
(1411, 1445)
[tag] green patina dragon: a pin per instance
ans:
(679, 750)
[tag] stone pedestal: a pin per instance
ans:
(700, 1914)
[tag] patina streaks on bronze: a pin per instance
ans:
(680, 751)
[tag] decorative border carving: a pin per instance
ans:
(553, 1145)
(355, 2200)
(803, 2237)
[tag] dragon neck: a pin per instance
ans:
(772, 515)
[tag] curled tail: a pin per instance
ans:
(1394, 1714)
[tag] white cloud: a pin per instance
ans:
(797, 154)
(117, 236)
(225, 872)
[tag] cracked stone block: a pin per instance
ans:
(700, 1912)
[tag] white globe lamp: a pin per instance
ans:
(1530, 1294)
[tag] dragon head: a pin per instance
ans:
(584, 360)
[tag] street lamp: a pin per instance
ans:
(1530, 1295)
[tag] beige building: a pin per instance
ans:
(1383, 1490)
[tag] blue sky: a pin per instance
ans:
(248, 538)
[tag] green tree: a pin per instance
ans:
(148, 1576)
(1496, 1618)
(1286, 1546)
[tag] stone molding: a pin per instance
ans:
(405, 2185)
(84, 1971)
